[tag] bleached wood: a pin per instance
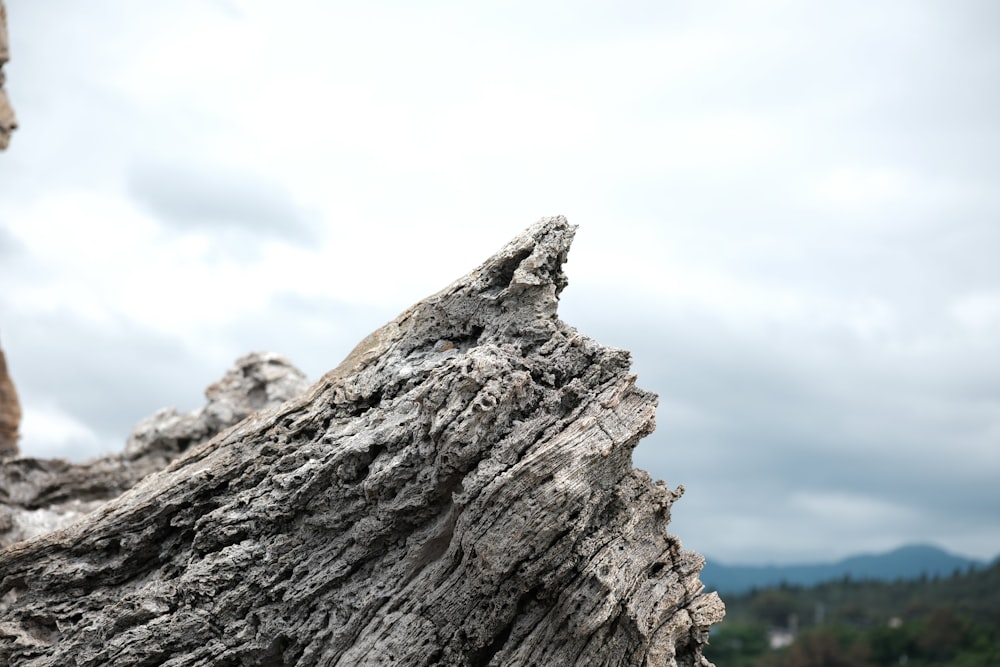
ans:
(459, 491)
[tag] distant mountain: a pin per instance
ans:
(908, 562)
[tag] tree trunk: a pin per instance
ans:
(459, 491)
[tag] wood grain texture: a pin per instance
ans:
(38, 496)
(459, 491)
(10, 412)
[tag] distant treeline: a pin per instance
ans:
(952, 621)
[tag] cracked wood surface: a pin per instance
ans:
(459, 491)
(38, 496)
(10, 412)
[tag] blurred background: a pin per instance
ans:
(787, 211)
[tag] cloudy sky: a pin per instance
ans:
(788, 211)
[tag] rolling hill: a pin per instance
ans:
(907, 562)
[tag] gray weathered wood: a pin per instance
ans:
(38, 496)
(459, 491)
(10, 412)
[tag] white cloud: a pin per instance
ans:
(854, 509)
(862, 188)
(48, 431)
(785, 212)
(978, 313)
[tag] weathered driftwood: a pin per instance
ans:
(8, 123)
(459, 491)
(10, 412)
(38, 496)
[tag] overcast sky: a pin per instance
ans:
(788, 211)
